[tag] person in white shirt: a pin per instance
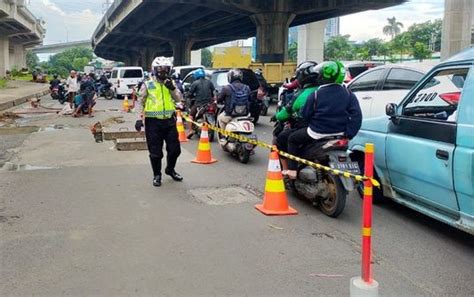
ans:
(73, 87)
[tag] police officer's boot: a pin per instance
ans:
(156, 166)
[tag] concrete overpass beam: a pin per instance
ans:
(272, 36)
(4, 55)
(182, 51)
(457, 24)
(311, 42)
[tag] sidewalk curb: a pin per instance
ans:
(21, 100)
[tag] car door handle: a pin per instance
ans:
(366, 98)
(443, 155)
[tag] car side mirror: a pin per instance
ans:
(391, 110)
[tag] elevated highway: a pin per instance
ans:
(19, 30)
(135, 31)
(60, 47)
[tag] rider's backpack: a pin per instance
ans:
(240, 101)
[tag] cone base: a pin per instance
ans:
(289, 211)
(204, 162)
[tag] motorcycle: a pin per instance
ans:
(242, 150)
(321, 187)
(206, 114)
(106, 91)
(59, 93)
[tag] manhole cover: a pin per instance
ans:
(223, 196)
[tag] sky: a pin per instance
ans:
(72, 20)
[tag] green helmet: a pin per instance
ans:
(331, 72)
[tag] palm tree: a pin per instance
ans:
(393, 27)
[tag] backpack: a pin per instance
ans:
(239, 102)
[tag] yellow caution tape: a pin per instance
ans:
(359, 178)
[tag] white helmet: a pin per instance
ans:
(162, 61)
(162, 67)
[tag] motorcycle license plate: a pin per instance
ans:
(352, 167)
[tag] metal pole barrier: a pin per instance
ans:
(367, 215)
(366, 285)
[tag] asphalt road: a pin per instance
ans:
(81, 219)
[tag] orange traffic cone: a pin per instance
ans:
(204, 149)
(275, 201)
(126, 105)
(180, 127)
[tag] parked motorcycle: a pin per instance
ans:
(322, 188)
(206, 114)
(238, 148)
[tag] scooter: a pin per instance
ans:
(59, 93)
(238, 148)
(320, 187)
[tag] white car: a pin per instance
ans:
(124, 79)
(183, 71)
(377, 87)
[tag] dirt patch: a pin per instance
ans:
(112, 121)
(18, 130)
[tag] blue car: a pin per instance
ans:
(424, 147)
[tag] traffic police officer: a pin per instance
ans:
(157, 107)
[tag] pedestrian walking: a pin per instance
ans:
(72, 84)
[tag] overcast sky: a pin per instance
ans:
(77, 19)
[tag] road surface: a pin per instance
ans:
(81, 219)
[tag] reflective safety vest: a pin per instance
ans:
(158, 104)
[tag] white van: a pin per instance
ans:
(124, 79)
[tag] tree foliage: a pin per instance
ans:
(339, 48)
(393, 28)
(206, 57)
(32, 60)
(420, 51)
(293, 52)
(71, 59)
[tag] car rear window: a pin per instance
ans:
(132, 73)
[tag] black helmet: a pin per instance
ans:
(235, 74)
(305, 73)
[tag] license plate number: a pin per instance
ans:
(352, 167)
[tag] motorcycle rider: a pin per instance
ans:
(236, 98)
(103, 82)
(55, 82)
(291, 113)
(332, 110)
(177, 82)
(200, 93)
(157, 100)
(88, 93)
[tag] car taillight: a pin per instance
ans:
(452, 98)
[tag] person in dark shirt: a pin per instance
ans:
(55, 82)
(200, 93)
(332, 110)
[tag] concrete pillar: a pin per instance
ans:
(133, 60)
(457, 26)
(181, 52)
(272, 36)
(196, 58)
(311, 42)
(19, 57)
(4, 55)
